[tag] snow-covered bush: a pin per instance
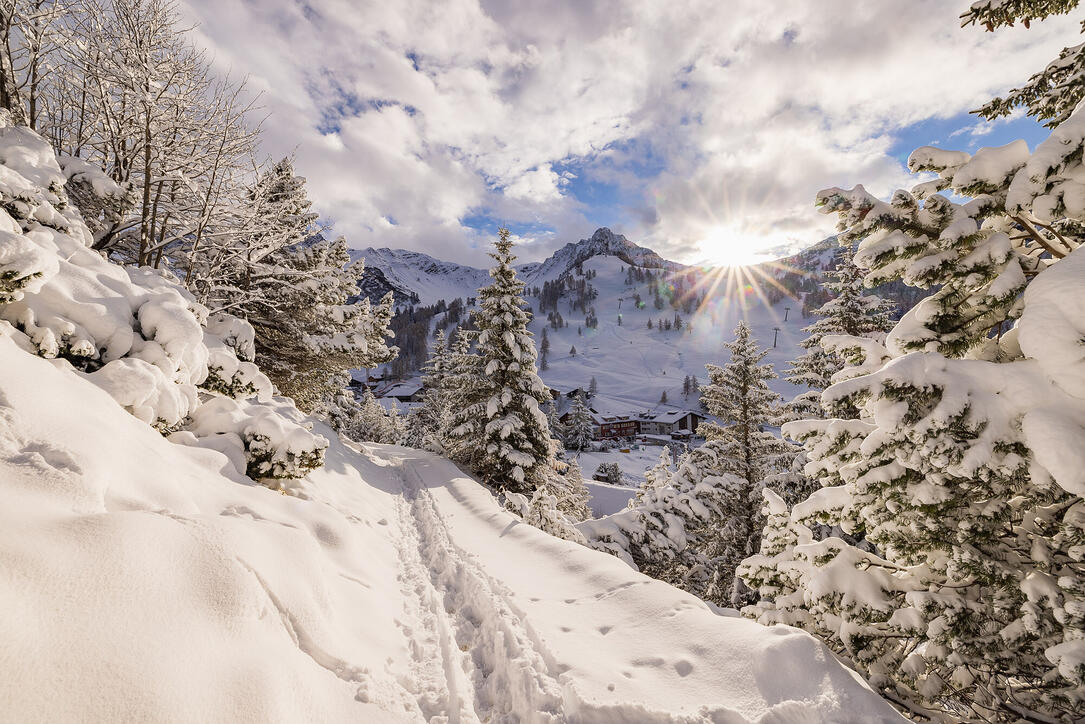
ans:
(609, 473)
(134, 332)
(276, 441)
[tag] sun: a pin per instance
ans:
(729, 247)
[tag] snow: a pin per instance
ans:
(607, 499)
(1052, 326)
(144, 580)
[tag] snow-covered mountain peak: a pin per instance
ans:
(603, 242)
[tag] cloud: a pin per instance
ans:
(433, 113)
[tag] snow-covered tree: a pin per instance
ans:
(963, 469)
(1053, 93)
(673, 532)
(575, 496)
(428, 425)
(655, 477)
(738, 394)
(593, 388)
(295, 288)
(580, 430)
(609, 472)
(557, 429)
(850, 311)
(497, 407)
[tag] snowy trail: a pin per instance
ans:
(492, 670)
(514, 625)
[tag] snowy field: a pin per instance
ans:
(147, 581)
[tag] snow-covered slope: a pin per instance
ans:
(430, 279)
(603, 242)
(146, 581)
(634, 364)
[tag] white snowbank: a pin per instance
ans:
(143, 580)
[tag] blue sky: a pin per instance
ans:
(702, 129)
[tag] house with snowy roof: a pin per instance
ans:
(409, 391)
(669, 422)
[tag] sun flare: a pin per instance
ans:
(730, 247)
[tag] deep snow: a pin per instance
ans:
(143, 580)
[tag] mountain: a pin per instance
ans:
(607, 292)
(407, 273)
(603, 242)
(410, 274)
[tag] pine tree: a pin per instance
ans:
(580, 431)
(573, 495)
(428, 426)
(593, 388)
(663, 398)
(969, 597)
(572, 351)
(557, 430)
(295, 288)
(848, 312)
(498, 394)
(655, 477)
(738, 394)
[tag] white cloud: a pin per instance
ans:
(442, 109)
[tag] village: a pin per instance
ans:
(659, 426)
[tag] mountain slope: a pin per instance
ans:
(391, 588)
(603, 242)
(430, 279)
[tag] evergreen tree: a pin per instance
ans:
(848, 312)
(655, 477)
(428, 426)
(498, 394)
(593, 388)
(557, 430)
(295, 288)
(581, 428)
(970, 595)
(738, 394)
(572, 351)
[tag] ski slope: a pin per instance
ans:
(146, 581)
(633, 365)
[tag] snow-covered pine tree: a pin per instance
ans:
(428, 425)
(575, 497)
(1051, 94)
(580, 431)
(593, 388)
(655, 477)
(738, 394)
(307, 331)
(850, 311)
(294, 287)
(670, 533)
(557, 429)
(964, 467)
(498, 411)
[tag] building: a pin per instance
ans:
(670, 422)
(410, 391)
(618, 427)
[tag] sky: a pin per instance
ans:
(701, 129)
